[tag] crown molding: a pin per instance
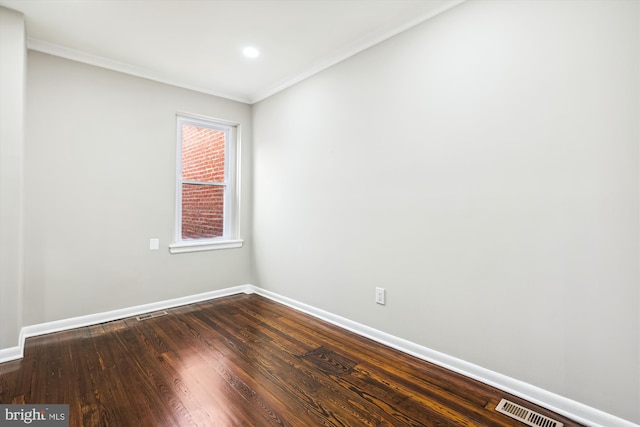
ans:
(350, 50)
(110, 64)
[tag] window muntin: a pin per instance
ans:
(207, 197)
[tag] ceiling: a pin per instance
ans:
(197, 44)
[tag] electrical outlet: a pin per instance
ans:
(154, 244)
(380, 296)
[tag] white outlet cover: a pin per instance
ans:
(154, 244)
(380, 296)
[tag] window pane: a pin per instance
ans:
(202, 211)
(202, 154)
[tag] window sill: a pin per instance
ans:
(206, 245)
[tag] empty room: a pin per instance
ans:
(320, 212)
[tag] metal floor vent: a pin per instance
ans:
(151, 315)
(525, 415)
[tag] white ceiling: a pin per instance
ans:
(198, 44)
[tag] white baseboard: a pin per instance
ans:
(570, 408)
(11, 353)
(14, 353)
(575, 410)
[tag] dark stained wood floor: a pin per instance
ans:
(241, 361)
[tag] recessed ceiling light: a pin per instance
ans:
(250, 52)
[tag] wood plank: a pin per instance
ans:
(242, 360)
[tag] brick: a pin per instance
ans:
(203, 160)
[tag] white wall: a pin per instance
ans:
(484, 169)
(100, 182)
(13, 52)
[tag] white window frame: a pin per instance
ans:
(231, 233)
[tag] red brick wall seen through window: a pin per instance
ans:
(203, 160)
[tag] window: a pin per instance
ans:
(206, 185)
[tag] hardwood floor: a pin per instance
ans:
(242, 360)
